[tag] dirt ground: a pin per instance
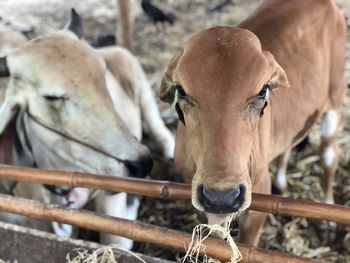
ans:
(154, 46)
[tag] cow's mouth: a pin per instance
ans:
(223, 220)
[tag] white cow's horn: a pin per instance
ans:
(74, 24)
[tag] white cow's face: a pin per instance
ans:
(60, 80)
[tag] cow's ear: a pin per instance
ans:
(278, 76)
(167, 85)
(4, 70)
(75, 24)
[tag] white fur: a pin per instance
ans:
(328, 156)
(79, 197)
(62, 230)
(128, 111)
(329, 124)
(281, 179)
(327, 200)
(122, 206)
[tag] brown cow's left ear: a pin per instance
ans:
(167, 85)
(279, 76)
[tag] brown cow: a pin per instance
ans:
(247, 94)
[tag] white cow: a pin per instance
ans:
(80, 109)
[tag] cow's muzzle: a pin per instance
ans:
(221, 202)
(141, 167)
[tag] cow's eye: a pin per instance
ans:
(54, 98)
(265, 91)
(181, 94)
(264, 94)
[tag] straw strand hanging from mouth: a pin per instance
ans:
(200, 233)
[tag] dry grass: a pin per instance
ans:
(103, 255)
(199, 234)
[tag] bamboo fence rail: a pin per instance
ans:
(139, 231)
(163, 189)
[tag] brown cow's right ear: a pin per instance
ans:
(4, 70)
(167, 86)
(279, 76)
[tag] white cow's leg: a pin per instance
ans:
(329, 151)
(281, 177)
(118, 205)
(154, 122)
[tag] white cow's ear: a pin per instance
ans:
(4, 70)
(167, 87)
(74, 24)
(279, 76)
(11, 99)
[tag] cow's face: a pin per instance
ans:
(60, 81)
(222, 84)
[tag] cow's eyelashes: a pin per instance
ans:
(180, 113)
(54, 98)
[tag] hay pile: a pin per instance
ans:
(105, 254)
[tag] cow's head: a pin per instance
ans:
(60, 81)
(222, 84)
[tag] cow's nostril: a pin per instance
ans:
(220, 202)
(236, 193)
(140, 168)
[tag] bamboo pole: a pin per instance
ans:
(138, 231)
(260, 202)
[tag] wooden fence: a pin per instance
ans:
(143, 232)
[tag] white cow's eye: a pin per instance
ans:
(54, 98)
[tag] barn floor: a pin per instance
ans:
(155, 45)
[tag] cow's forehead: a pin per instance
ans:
(58, 58)
(221, 57)
(61, 50)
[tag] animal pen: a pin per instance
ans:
(143, 232)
